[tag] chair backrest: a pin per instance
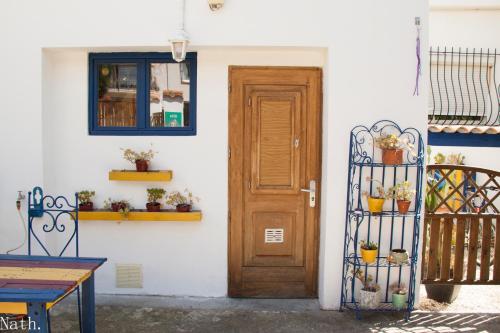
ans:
(54, 214)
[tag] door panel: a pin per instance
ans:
(275, 118)
(275, 130)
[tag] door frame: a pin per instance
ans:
(311, 77)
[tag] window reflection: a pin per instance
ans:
(169, 95)
(117, 95)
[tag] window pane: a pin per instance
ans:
(117, 95)
(169, 95)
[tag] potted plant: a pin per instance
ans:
(376, 202)
(141, 159)
(403, 194)
(369, 251)
(182, 203)
(122, 206)
(392, 147)
(85, 200)
(398, 257)
(369, 293)
(154, 194)
(399, 293)
(443, 293)
(431, 199)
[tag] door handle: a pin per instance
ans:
(312, 193)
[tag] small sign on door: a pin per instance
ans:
(274, 235)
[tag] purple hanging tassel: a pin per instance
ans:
(419, 64)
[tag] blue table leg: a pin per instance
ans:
(88, 305)
(37, 318)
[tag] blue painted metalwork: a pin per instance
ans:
(37, 314)
(55, 214)
(88, 299)
(35, 295)
(142, 60)
(45, 258)
(389, 228)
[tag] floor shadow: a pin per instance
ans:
(421, 322)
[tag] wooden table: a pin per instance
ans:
(32, 284)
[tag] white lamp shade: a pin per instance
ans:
(179, 49)
(179, 45)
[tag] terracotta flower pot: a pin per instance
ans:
(116, 206)
(403, 206)
(375, 205)
(369, 256)
(153, 206)
(392, 156)
(183, 208)
(85, 207)
(141, 165)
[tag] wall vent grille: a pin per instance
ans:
(128, 276)
(274, 235)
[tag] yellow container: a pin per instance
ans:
(375, 205)
(369, 256)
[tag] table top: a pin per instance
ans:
(41, 278)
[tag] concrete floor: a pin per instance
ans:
(171, 314)
(479, 298)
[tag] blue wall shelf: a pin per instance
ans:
(389, 229)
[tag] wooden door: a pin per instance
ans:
(275, 151)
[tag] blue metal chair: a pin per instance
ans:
(48, 214)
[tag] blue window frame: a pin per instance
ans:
(463, 139)
(131, 75)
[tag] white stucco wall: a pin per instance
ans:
(464, 24)
(366, 49)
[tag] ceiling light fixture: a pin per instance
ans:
(180, 40)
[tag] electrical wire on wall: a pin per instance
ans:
(20, 197)
(419, 63)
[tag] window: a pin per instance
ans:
(141, 94)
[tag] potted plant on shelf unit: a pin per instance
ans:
(183, 203)
(369, 251)
(398, 257)
(392, 147)
(154, 194)
(85, 200)
(376, 202)
(399, 293)
(403, 194)
(369, 293)
(141, 159)
(121, 206)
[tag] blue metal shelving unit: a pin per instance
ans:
(389, 229)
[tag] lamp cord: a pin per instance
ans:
(182, 8)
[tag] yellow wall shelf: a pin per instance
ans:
(164, 215)
(148, 176)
